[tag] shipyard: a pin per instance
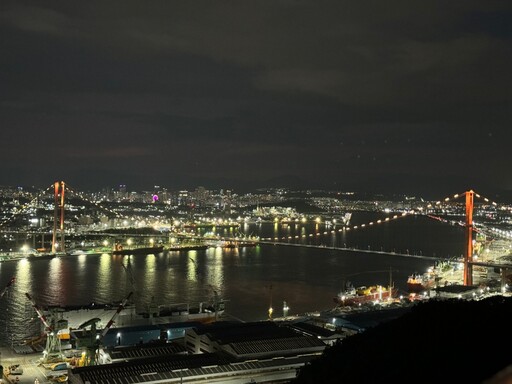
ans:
(123, 340)
(274, 192)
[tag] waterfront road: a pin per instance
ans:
(33, 373)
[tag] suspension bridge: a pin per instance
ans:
(431, 210)
(470, 227)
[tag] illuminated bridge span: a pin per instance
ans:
(468, 258)
(59, 190)
(351, 249)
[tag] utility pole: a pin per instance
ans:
(270, 309)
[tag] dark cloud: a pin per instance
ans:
(346, 95)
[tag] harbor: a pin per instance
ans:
(113, 303)
(37, 362)
(169, 346)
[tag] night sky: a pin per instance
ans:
(383, 96)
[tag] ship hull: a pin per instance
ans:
(138, 251)
(198, 247)
(416, 287)
(417, 284)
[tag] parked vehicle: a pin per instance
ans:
(15, 369)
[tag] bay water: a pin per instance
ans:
(250, 279)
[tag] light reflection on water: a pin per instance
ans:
(250, 278)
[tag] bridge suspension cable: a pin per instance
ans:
(19, 210)
(468, 224)
(95, 203)
(416, 211)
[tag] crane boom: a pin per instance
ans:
(90, 322)
(119, 309)
(11, 282)
(40, 314)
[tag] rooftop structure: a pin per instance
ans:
(226, 352)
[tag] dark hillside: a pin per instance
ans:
(436, 342)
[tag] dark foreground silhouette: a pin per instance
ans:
(448, 341)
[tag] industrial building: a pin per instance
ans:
(219, 352)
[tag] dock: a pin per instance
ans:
(28, 361)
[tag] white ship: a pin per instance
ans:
(71, 317)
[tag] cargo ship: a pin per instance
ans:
(235, 244)
(352, 296)
(187, 247)
(119, 250)
(416, 284)
(419, 283)
(73, 316)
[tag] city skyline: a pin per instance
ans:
(392, 97)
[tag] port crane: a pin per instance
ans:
(9, 284)
(91, 339)
(52, 352)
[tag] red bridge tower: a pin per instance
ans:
(58, 216)
(468, 259)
